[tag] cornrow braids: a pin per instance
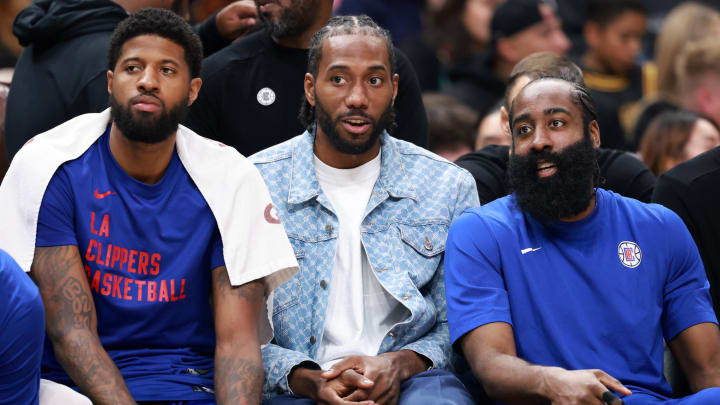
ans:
(337, 26)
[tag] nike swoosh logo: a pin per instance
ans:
(528, 250)
(103, 195)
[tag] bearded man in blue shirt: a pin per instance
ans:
(563, 292)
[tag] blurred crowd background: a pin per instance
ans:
(653, 66)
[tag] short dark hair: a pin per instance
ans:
(162, 23)
(603, 12)
(579, 95)
(450, 122)
(544, 64)
(336, 26)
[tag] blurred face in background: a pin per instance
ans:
(476, 18)
(618, 42)
(491, 132)
(546, 35)
(704, 136)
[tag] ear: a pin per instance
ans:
(595, 133)
(309, 85)
(109, 81)
(195, 85)
(395, 80)
(505, 121)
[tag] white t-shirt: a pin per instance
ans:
(360, 312)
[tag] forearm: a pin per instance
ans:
(511, 380)
(304, 382)
(88, 364)
(238, 374)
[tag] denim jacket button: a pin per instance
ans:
(313, 340)
(323, 284)
(428, 244)
(328, 228)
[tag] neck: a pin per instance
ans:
(144, 162)
(593, 63)
(302, 40)
(585, 213)
(326, 152)
(130, 6)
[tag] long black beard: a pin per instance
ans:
(330, 126)
(566, 193)
(292, 20)
(141, 127)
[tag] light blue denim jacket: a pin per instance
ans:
(413, 202)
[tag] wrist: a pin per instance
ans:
(545, 381)
(408, 363)
(304, 381)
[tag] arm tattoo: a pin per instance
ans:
(238, 379)
(71, 325)
(246, 291)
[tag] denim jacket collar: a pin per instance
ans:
(304, 185)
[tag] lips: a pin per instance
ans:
(546, 169)
(146, 103)
(356, 125)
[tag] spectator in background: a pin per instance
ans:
(4, 161)
(251, 83)
(451, 125)
(9, 46)
(455, 31)
(490, 130)
(62, 71)
(614, 32)
(686, 23)
(401, 17)
(676, 136)
(621, 172)
(698, 73)
(691, 190)
(518, 29)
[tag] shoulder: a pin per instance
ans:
(692, 173)
(244, 50)
(499, 217)
(277, 154)
(641, 215)
(421, 162)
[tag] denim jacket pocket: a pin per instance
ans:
(287, 295)
(424, 247)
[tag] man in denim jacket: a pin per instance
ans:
(368, 217)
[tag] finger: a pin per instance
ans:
(389, 397)
(348, 363)
(356, 380)
(357, 396)
(612, 383)
(241, 9)
(611, 399)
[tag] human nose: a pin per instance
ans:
(357, 98)
(541, 140)
(562, 43)
(148, 81)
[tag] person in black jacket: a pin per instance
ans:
(252, 88)
(62, 71)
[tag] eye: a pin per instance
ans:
(376, 81)
(338, 79)
(132, 68)
(167, 70)
(523, 130)
(557, 123)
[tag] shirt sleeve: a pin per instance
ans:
(216, 251)
(56, 220)
(686, 294)
(474, 283)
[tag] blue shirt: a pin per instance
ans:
(148, 251)
(22, 326)
(601, 292)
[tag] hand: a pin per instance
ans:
(236, 19)
(309, 384)
(564, 387)
(386, 371)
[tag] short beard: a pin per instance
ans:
(330, 126)
(563, 195)
(292, 20)
(141, 127)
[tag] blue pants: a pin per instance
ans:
(437, 387)
(709, 396)
(198, 402)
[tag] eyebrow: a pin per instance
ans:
(555, 110)
(344, 67)
(521, 117)
(136, 59)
